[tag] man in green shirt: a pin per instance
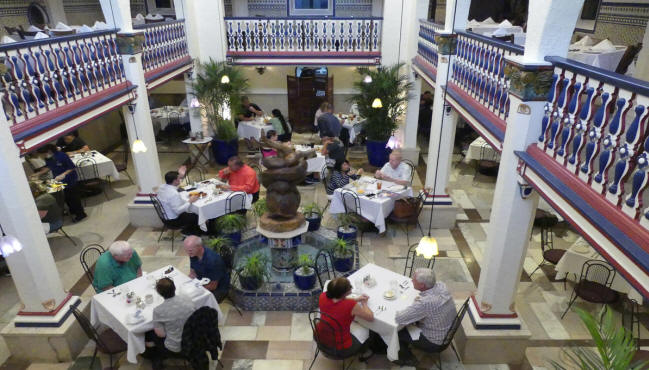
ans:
(120, 265)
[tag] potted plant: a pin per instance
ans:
(221, 245)
(343, 255)
(347, 229)
(313, 213)
(218, 97)
(304, 274)
(393, 89)
(253, 271)
(259, 208)
(231, 225)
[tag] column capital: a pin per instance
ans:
(528, 82)
(446, 43)
(129, 43)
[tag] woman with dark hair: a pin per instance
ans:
(335, 304)
(340, 176)
(280, 126)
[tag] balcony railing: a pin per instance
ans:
(46, 74)
(427, 46)
(479, 70)
(164, 43)
(596, 127)
(303, 35)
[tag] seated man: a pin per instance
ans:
(248, 110)
(72, 144)
(433, 312)
(240, 177)
(395, 170)
(175, 206)
(169, 319)
(49, 211)
(205, 263)
(120, 265)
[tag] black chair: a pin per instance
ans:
(88, 257)
(412, 220)
(412, 168)
(324, 267)
(594, 284)
(627, 58)
(121, 164)
(325, 328)
(324, 178)
(166, 222)
(413, 261)
(352, 205)
(448, 339)
(89, 176)
(108, 342)
(227, 255)
(546, 221)
(201, 339)
(236, 201)
(631, 322)
(506, 38)
(61, 231)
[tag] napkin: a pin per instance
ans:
(34, 29)
(100, 26)
(41, 35)
(139, 17)
(584, 41)
(136, 317)
(154, 17)
(505, 23)
(62, 27)
(488, 21)
(6, 40)
(604, 45)
(473, 23)
(84, 28)
(501, 32)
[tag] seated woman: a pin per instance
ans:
(269, 152)
(340, 176)
(280, 125)
(335, 304)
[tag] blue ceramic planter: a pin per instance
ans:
(223, 150)
(235, 237)
(314, 223)
(377, 153)
(349, 237)
(304, 282)
(343, 264)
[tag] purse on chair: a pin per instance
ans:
(406, 207)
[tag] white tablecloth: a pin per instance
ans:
(161, 117)
(312, 164)
(480, 149)
(578, 253)
(607, 60)
(112, 311)
(248, 129)
(375, 209)
(211, 206)
(383, 323)
(105, 166)
(488, 29)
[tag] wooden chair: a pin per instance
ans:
(108, 342)
(88, 257)
(166, 222)
(413, 261)
(627, 58)
(594, 284)
(325, 328)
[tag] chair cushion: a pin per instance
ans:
(553, 255)
(114, 344)
(595, 292)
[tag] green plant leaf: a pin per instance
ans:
(231, 222)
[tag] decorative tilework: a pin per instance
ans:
(622, 24)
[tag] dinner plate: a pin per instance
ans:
(396, 187)
(389, 297)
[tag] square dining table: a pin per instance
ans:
(248, 129)
(105, 166)
(110, 308)
(213, 204)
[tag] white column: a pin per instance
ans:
(391, 32)
(206, 29)
(117, 14)
(56, 12)
(642, 64)
(551, 22)
(239, 8)
(195, 120)
(147, 164)
(412, 114)
(33, 269)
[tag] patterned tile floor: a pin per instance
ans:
(282, 340)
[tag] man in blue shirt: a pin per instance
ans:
(205, 263)
(63, 170)
(328, 124)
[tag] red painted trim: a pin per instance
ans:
(168, 67)
(47, 116)
(48, 313)
(304, 54)
(485, 315)
(430, 70)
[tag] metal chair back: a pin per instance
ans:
(327, 333)
(235, 201)
(159, 209)
(413, 261)
(351, 201)
(412, 168)
(324, 267)
(88, 257)
(455, 325)
(631, 320)
(597, 271)
(87, 327)
(87, 165)
(324, 176)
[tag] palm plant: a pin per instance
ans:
(260, 207)
(305, 264)
(341, 248)
(255, 266)
(393, 88)
(217, 98)
(615, 345)
(218, 243)
(346, 221)
(312, 209)
(231, 223)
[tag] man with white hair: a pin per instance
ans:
(395, 170)
(120, 265)
(433, 312)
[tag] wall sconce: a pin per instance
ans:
(225, 79)
(367, 79)
(261, 69)
(376, 104)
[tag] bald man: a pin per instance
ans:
(205, 263)
(395, 170)
(120, 265)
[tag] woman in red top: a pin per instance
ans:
(335, 304)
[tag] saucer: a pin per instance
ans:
(389, 295)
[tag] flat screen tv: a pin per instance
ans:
(311, 72)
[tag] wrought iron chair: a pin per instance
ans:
(594, 284)
(550, 255)
(412, 166)
(327, 333)
(88, 257)
(324, 267)
(352, 205)
(236, 201)
(414, 262)
(62, 232)
(448, 338)
(121, 164)
(89, 176)
(166, 222)
(631, 322)
(108, 342)
(324, 178)
(413, 220)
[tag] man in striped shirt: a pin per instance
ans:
(433, 312)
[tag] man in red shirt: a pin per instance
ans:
(240, 177)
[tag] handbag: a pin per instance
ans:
(406, 207)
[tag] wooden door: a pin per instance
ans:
(304, 97)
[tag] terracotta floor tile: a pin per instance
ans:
(274, 333)
(234, 319)
(244, 349)
(289, 350)
(278, 318)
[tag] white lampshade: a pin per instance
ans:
(427, 247)
(225, 79)
(9, 245)
(367, 79)
(138, 146)
(393, 143)
(377, 103)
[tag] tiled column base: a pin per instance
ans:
(49, 345)
(142, 214)
(444, 215)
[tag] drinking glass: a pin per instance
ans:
(378, 185)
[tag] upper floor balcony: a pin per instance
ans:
(310, 40)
